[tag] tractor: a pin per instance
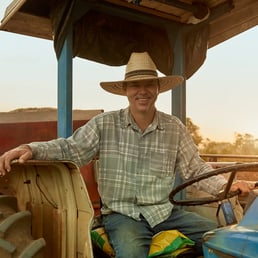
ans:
(46, 212)
(45, 206)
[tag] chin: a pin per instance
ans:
(143, 110)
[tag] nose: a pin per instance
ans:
(143, 88)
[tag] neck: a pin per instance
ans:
(143, 119)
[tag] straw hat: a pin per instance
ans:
(141, 67)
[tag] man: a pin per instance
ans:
(139, 151)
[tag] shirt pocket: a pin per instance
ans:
(161, 164)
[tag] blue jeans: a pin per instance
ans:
(132, 238)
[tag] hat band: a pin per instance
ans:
(140, 72)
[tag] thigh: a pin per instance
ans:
(128, 237)
(190, 224)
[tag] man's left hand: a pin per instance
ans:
(244, 187)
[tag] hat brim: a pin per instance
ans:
(166, 83)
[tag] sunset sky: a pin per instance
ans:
(222, 97)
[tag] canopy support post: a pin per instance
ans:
(65, 92)
(179, 93)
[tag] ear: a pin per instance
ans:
(158, 88)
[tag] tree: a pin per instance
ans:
(194, 131)
(244, 144)
(213, 147)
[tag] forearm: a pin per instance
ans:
(210, 185)
(50, 150)
(62, 149)
(213, 184)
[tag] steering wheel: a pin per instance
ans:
(222, 195)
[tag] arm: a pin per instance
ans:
(80, 148)
(191, 165)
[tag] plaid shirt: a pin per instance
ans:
(136, 169)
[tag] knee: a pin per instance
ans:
(129, 239)
(133, 248)
(132, 244)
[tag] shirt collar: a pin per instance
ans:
(127, 119)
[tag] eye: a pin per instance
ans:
(131, 85)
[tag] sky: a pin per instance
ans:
(222, 96)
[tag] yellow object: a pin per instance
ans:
(167, 242)
(99, 237)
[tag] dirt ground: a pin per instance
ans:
(248, 176)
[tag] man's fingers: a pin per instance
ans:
(3, 166)
(8, 166)
(243, 186)
(22, 153)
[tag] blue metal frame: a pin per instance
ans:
(65, 88)
(178, 107)
(65, 71)
(239, 240)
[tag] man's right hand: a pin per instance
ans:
(22, 153)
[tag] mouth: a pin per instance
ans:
(142, 100)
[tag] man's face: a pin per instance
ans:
(142, 95)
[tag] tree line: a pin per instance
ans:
(243, 144)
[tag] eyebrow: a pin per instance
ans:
(131, 83)
(143, 82)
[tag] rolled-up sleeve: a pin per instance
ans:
(80, 148)
(190, 164)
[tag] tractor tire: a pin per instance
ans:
(15, 232)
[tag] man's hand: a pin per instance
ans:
(243, 186)
(22, 153)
